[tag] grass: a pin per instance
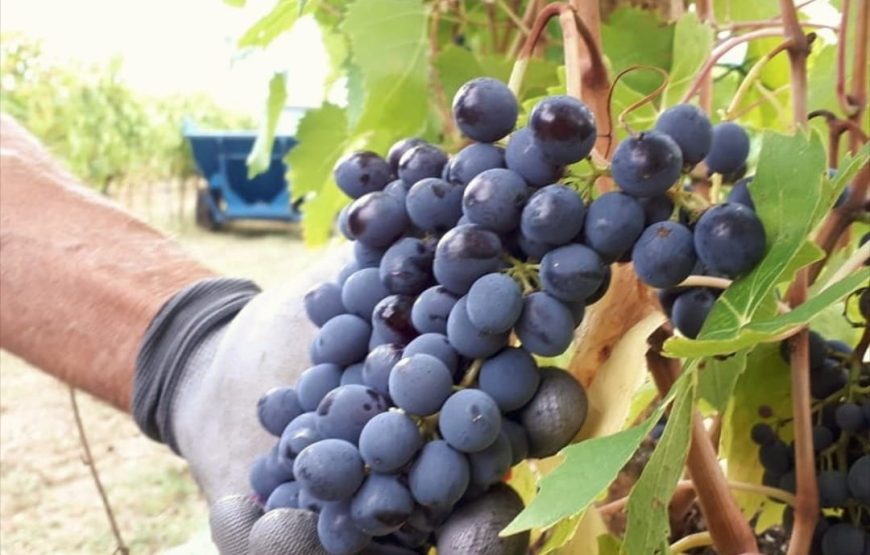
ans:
(48, 502)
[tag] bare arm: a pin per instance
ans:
(80, 279)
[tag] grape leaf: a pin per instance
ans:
(767, 330)
(693, 41)
(608, 544)
(586, 470)
(560, 534)
(786, 192)
(260, 156)
(647, 529)
(765, 373)
(743, 10)
(235, 3)
(716, 379)
(579, 537)
(455, 66)
(390, 46)
(633, 36)
(355, 94)
(280, 18)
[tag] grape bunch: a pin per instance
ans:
(840, 387)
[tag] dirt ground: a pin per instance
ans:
(48, 501)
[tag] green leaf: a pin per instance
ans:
(647, 529)
(280, 19)
(608, 544)
(633, 36)
(389, 44)
(765, 373)
(455, 66)
(693, 41)
(786, 192)
(560, 534)
(716, 379)
(355, 94)
(743, 10)
(235, 3)
(323, 138)
(260, 156)
(768, 330)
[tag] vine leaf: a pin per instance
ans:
(765, 372)
(631, 37)
(786, 192)
(389, 45)
(260, 156)
(716, 379)
(647, 529)
(693, 42)
(280, 18)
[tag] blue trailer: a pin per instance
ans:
(229, 194)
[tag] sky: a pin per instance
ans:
(171, 46)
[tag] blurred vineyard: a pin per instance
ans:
(108, 134)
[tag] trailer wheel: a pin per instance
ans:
(204, 217)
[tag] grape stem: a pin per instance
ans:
(471, 374)
(729, 529)
(645, 100)
(698, 539)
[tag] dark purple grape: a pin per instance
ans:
(664, 255)
(361, 172)
(485, 109)
(730, 239)
(377, 219)
(473, 160)
(495, 199)
(406, 267)
(729, 148)
(690, 128)
(524, 156)
(391, 320)
(398, 149)
(647, 165)
(420, 162)
(554, 215)
(464, 254)
(564, 129)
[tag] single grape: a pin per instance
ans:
(398, 189)
(511, 378)
(378, 365)
(490, 465)
(729, 148)
(277, 408)
(406, 267)
(555, 414)
(470, 420)
(730, 239)
(571, 273)
(399, 148)
(828, 380)
(330, 469)
(299, 434)
(352, 375)
(788, 482)
(546, 326)
(691, 309)
(494, 303)
(776, 457)
(367, 256)
(656, 209)
(596, 296)
(337, 532)
(465, 253)
(664, 255)
(519, 440)
(420, 384)
(285, 496)
(323, 302)
(485, 109)
(439, 476)
(346, 271)
(436, 345)
(473, 160)
(315, 382)
(850, 417)
(494, 200)
(381, 505)
(613, 223)
(389, 441)
(345, 410)
(859, 479)
(468, 340)
(835, 346)
(361, 172)
(740, 193)
(843, 539)
(524, 156)
(554, 215)
(377, 219)
(762, 434)
(431, 309)
(833, 488)
(475, 525)
(362, 291)
(434, 205)
(343, 225)
(564, 128)
(690, 128)
(647, 164)
(823, 438)
(343, 340)
(420, 162)
(266, 475)
(391, 319)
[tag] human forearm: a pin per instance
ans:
(80, 278)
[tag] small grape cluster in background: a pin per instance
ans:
(840, 388)
(425, 387)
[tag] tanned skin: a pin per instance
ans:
(80, 278)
